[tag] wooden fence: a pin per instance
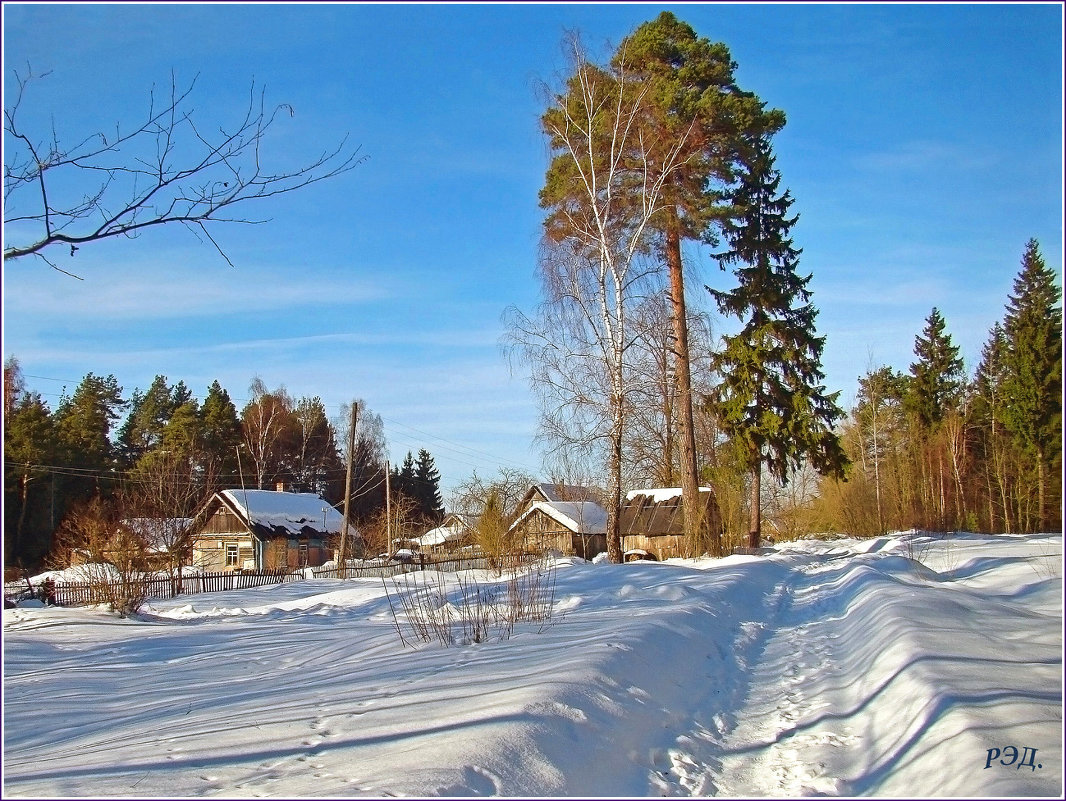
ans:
(82, 594)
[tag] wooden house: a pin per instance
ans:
(570, 528)
(652, 522)
(265, 530)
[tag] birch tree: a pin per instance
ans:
(263, 422)
(601, 191)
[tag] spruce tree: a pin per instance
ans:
(937, 379)
(1033, 384)
(427, 487)
(403, 478)
(935, 395)
(771, 401)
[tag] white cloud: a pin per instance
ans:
(166, 291)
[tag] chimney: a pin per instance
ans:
(281, 486)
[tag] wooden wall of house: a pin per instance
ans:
(209, 552)
(666, 546)
(315, 554)
(221, 530)
(223, 521)
(540, 533)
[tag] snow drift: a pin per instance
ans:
(895, 666)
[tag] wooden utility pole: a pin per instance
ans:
(388, 512)
(348, 486)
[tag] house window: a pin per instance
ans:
(231, 554)
(303, 554)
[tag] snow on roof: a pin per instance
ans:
(581, 517)
(292, 511)
(447, 533)
(660, 494)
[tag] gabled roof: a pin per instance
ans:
(580, 517)
(267, 512)
(659, 512)
(554, 493)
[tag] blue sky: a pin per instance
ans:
(923, 149)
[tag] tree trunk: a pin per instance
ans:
(1040, 482)
(755, 515)
(614, 500)
(341, 563)
(614, 466)
(690, 487)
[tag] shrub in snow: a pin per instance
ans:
(428, 608)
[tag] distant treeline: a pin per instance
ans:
(164, 443)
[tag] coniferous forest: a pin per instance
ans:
(161, 452)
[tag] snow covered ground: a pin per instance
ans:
(905, 666)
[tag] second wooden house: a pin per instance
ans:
(568, 528)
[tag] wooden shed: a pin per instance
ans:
(653, 521)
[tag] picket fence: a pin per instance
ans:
(161, 588)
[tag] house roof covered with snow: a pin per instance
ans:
(551, 492)
(283, 512)
(581, 517)
(454, 528)
(660, 494)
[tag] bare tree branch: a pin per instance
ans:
(167, 169)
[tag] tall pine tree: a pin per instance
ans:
(693, 106)
(221, 431)
(29, 480)
(83, 425)
(150, 412)
(771, 400)
(1033, 384)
